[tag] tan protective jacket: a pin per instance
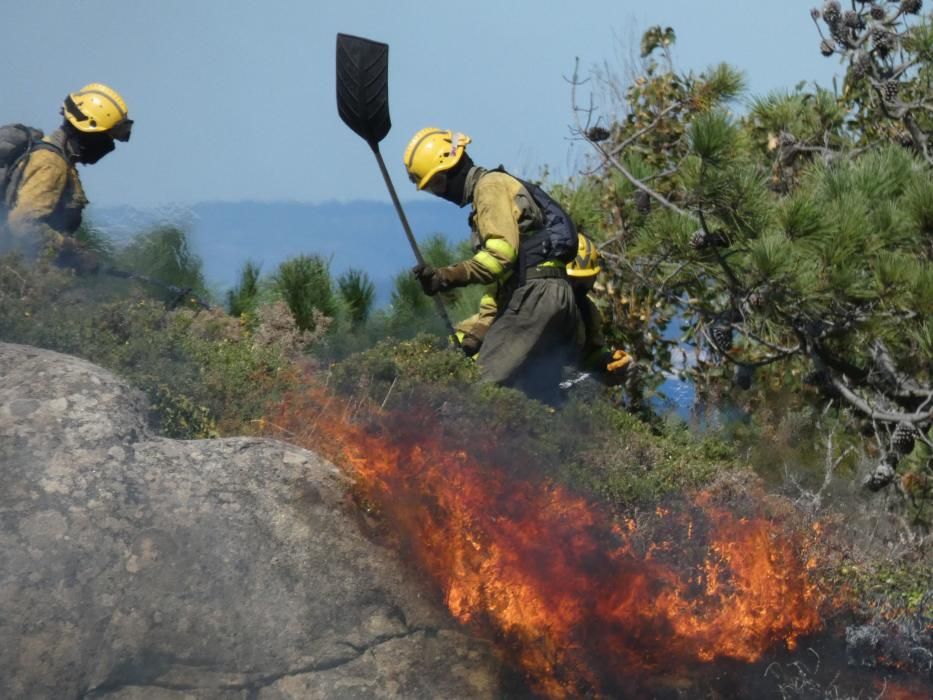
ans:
(503, 211)
(45, 200)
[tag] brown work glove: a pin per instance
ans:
(74, 255)
(470, 344)
(437, 280)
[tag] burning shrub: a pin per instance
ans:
(468, 483)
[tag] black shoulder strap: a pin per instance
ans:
(47, 146)
(531, 189)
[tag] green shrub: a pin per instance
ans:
(244, 297)
(588, 445)
(357, 292)
(204, 372)
(303, 282)
(165, 255)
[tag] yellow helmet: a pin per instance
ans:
(586, 264)
(432, 150)
(98, 108)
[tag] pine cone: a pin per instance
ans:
(878, 13)
(882, 475)
(860, 65)
(642, 202)
(722, 337)
(902, 439)
(698, 239)
(814, 14)
(853, 20)
(743, 376)
(826, 47)
(785, 139)
(701, 240)
(832, 12)
(843, 36)
(889, 90)
(883, 41)
(911, 6)
(597, 133)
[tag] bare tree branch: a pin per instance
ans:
(641, 132)
(862, 405)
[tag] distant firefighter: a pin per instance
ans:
(42, 197)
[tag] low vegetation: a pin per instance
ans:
(778, 256)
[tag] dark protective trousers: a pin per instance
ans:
(528, 345)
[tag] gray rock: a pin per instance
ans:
(133, 566)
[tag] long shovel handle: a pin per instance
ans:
(178, 291)
(438, 302)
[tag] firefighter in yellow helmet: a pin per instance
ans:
(44, 198)
(535, 319)
(583, 270)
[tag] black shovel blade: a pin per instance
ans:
(363, 86)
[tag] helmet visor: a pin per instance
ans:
(121, 130)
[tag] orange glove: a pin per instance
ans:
(619, 362)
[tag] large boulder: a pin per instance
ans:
(133, 566)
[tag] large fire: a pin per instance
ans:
(578, 600)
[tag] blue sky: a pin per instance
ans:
(234, 99)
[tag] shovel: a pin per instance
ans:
(181, 294)
(363, 105)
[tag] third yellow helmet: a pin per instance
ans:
(586, 264)
(432, 150)
(98, 108)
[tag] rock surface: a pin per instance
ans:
(134, 567)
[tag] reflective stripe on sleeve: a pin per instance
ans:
(498, 245)
(487, 260)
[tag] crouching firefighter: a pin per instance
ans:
(42, 197)
(522, 241)
(610, 366)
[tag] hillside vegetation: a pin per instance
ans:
(776, 251)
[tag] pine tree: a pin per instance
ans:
(358, 293)
(817, 244)
(244, 297)
(304, 284)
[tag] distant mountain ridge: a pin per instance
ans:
(362, 234)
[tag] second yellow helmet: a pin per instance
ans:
(586, 264)
(98, 108)
(432, 150)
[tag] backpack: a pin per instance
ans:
(557, 239)
(16, 142)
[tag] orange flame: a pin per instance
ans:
(578, 600)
